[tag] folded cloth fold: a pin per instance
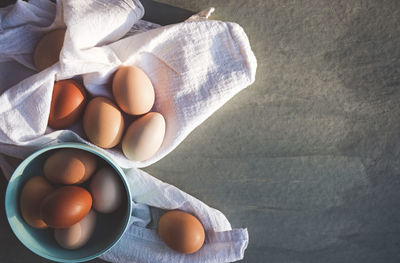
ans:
(195, 67)
(142, 244)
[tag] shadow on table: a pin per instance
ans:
(164, 14)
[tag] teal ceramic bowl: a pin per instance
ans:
(109, 227)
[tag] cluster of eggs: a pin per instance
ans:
(75, 188)
(103, 119)
(72, 189)
(104, 125)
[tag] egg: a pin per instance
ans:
(77, 235)
(103, 122)
(181, 231)
(69, 166)
(106, 190)
(32, 194)
(144, 137)
(67, 103)
(133, 90)
(47, 50)
(65, 206)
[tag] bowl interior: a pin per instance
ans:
(109, 227)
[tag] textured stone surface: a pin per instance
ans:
(308, 157)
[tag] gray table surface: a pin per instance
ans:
(307, 158)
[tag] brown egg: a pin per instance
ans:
(181, 231)
(67, 103)
(144, 137)
(65, 206)
(32, 194)
(69, 166)
(132, 90)
(47, 51)
(103, 122)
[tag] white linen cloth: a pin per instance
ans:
(195, 67)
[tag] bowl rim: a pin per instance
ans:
(83, 147)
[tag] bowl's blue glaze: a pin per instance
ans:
(109, 227)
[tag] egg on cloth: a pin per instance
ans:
(47, 50)
(69, 166)
(77, 235)
(103, 123)
(31, 197)
(144, 137)
(181, 231)
(106, 190)
(65, 206)
(67, 103)
(133, 90)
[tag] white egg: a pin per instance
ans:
(77, 235)
(144, 137)
(106, 189)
